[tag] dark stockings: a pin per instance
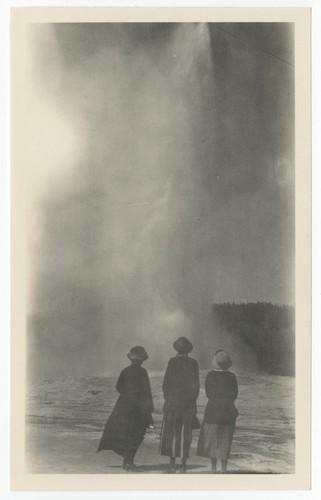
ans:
(183, 465)
(172, 464)
(224, 466)
(128, 458)
(214, 466)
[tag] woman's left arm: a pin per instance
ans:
(235, 389)
(150, 397)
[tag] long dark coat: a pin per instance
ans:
(180, 388)
(126, 426)
(181, 384)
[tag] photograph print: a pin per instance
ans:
(159, 162)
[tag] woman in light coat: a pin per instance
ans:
(217, 430)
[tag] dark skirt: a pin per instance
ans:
(176, 433)
(215, 440)
(124, 430)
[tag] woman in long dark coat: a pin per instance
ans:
(217, 430)
(180, 389)
(126, 426)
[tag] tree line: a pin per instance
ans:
(268, 328)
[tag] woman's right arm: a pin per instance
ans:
(167, 382)
(208, 385)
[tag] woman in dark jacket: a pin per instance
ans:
(126, 426)
(217, 430)
(180, 389)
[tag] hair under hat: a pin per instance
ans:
(222, 360)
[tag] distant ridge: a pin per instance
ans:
(269, 329)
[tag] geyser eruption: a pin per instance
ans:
(134, 247)
(123, 237)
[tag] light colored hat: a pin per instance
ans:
(182, 345)
(137, 352)
(222, 360)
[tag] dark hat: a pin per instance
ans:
(137, 352)
(222, 360)
(183, 345)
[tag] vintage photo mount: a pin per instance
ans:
(20, 480)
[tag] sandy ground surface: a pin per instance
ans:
(65, 419)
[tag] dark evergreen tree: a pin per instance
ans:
(268, 328)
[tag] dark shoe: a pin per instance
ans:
(125, 464)
(171, 469)
(133, 468)
(182, 469)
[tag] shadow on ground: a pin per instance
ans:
(191, 469)
(158, 468)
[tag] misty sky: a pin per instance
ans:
(164, 163)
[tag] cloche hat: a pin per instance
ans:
(137, 352)
(182, 345)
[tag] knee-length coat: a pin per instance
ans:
(221, 389)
